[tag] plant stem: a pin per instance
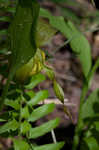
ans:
(53, 136)
(93, 3)
(5, 91)
(31, 146)
(82, 99)
(80, 121)
(61, 46)
(19, 131)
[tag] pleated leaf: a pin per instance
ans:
(79, 43)
(90, 107)
(23, 45)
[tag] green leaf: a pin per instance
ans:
(4, 51)
(14, 114)
(70, 15)
(4, 18)
(43, 129)
(25, 112)
(2, 120)
(25, 127)
(4, 3)
(35, 80)
(11, 10)
(68, 2)
(11, 125)
(58, 91)
(92, 143)
(22, 39)
(3, 32)
(56, 146)
(79, 44)
(41, 112)
(91, 106)
(40, 96)
(45, 32)
(96, 123)
(22, 42)
(81, 47)
(20, 144)
(93, 70)
(12, 103)
(31, 93)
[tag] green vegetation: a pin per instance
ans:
(26, 63)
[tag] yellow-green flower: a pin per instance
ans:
(43, 36)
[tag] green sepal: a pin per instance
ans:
(58, 91)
